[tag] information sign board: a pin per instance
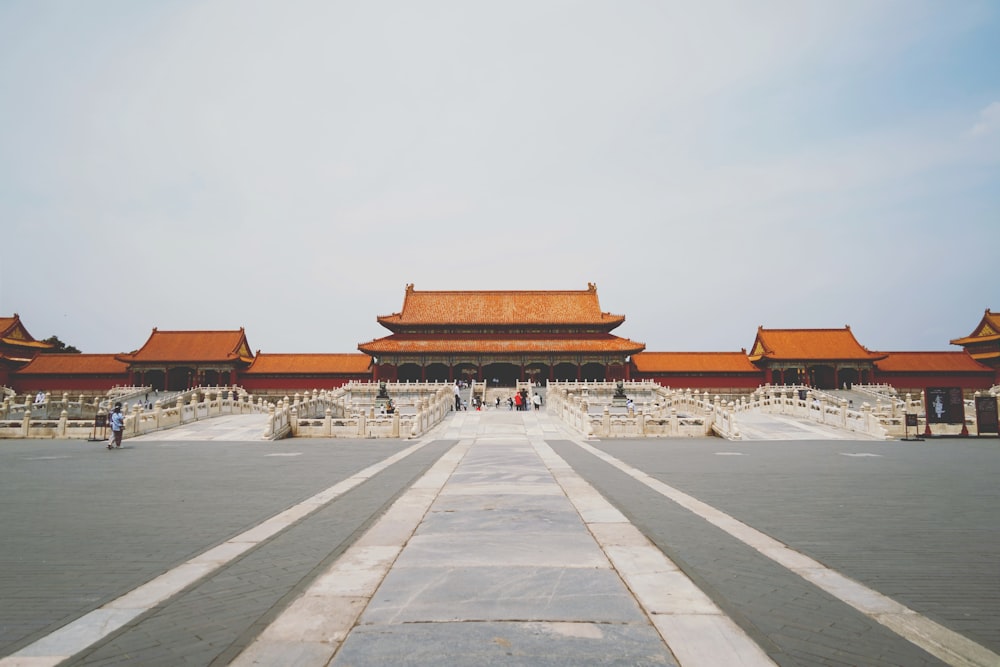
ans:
(986, 414)
(944, 405)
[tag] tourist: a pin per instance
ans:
(117, 426)
(518, 401)
(537, 401)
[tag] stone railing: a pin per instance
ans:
(193, 405)
(354, 411)
(351, 411)
(801, 402)
(78, 407)
(591, 409)
(664, 412)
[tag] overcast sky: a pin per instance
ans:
(289, 167)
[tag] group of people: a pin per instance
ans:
(520, 400)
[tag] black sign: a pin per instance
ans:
(944, 405)
(986, 414)
(101, 420)
(911, 419)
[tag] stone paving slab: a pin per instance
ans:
(538, 644)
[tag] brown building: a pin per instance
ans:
(297, 372)
(720, 371)
(983, 344)
(501, 337)
(821, 358)
(17, 347)
(915, 371)
(72, 372)
(179, 360)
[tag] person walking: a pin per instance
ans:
(117, 426)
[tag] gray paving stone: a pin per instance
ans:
(502, 593)
(506, 644)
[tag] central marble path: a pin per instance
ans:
(501, 554)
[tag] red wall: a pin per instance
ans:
(59, 383)
(292, 383)
(720, 382)
(924, 380)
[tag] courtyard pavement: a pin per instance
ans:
(499, 539)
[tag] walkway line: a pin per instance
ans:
(693, 627)
(312, 628)
(946, 645)
(94, 626)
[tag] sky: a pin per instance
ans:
(289, 167)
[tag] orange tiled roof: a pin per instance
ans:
(930, 362)
(809, 344)
(694, 362)
(193, 346)
(988, 330)
(12, 332)
(501, 307)
(500, 344)
(75, 364)
(291, 364)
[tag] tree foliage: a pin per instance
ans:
(59, 346)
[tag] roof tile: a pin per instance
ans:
(694, 362)
(501, 307)
(351, 363)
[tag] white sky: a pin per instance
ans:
(289, 167)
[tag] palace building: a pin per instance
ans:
(177, 360)
(983, 344)
(500, 337)
(17, 347)
(821, 358)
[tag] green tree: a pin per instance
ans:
(59, 346)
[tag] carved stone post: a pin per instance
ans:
(61, 431)
(26, 424)
(293, 421)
